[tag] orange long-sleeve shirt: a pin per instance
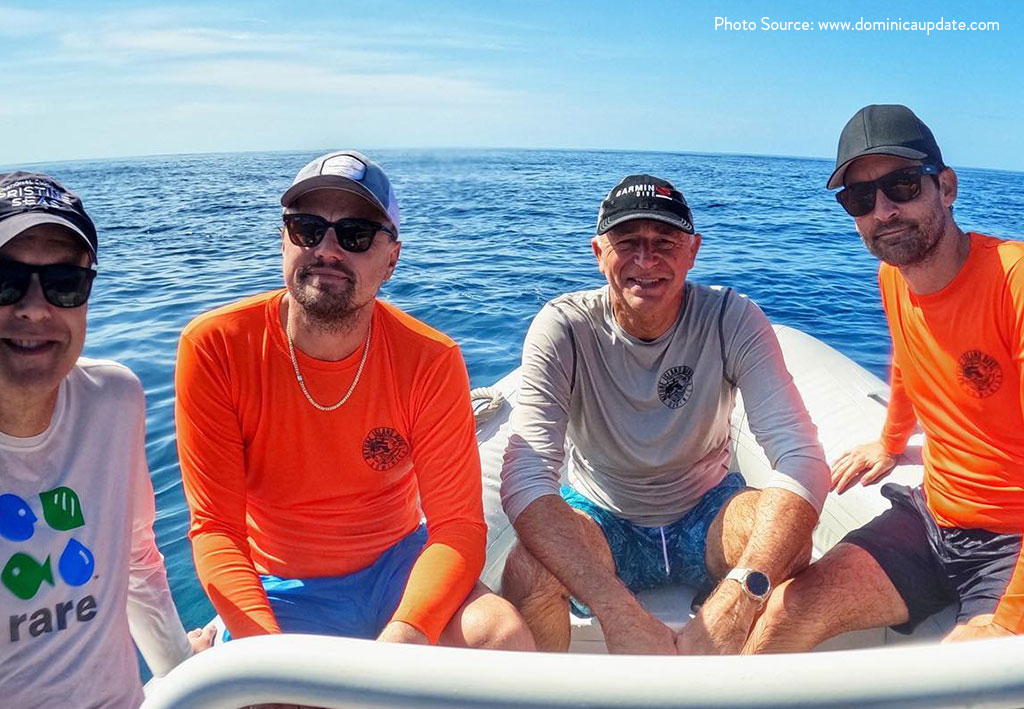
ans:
(958, 368)
(278, 487)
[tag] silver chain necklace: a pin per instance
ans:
(302, 382)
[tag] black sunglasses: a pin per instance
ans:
(64, 286)
(355, 235)
(900, 186)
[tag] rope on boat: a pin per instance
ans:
(486, 401)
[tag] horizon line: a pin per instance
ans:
(198, 153)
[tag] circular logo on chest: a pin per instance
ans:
(675, 386)
(978, 373)
(384, 448)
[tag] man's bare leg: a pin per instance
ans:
(730, 531)
(845, 590)
(487, 621)
(540, 597)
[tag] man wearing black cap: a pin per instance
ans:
(636, 381)
(955, 306)
(80, 563)
(318, 425)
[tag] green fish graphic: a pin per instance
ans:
(62, 509)
(23, 575)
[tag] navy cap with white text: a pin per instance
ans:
(29, 199)
(644, 197)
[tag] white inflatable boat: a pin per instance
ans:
(848, 405)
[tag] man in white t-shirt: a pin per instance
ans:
(81, 573)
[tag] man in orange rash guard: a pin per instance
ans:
(955, 306)
(316, 422)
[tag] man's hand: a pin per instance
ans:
(721, 626)
(398, 632)
(637, 633)
(979, 627)
(851, 466)
(202, 638)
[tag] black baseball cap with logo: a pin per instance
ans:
(886, 129)
(28, 199)
(644, 197)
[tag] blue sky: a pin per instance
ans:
(104, 79)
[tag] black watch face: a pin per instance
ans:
(758, 584)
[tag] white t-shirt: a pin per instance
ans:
(81, 568)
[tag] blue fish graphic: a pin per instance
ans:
(23, 575)
(17, 520)
(76, 563)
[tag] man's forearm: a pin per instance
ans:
(780, 540)
(554, 534)
(442, 578)
(227, 574)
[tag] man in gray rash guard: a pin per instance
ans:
(635, 382)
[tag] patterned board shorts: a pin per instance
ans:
(650, 557)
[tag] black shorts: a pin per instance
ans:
(932, 566)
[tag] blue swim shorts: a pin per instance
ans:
(649, 557)
(357, 605)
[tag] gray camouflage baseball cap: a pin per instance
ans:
(349, 171)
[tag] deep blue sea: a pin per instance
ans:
(488, 237)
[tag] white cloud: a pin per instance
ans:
(186, 41)
(289, 78)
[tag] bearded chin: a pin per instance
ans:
(912, 249)
(328, 311)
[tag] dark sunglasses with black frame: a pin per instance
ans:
(64, 285)
(355, 235)
(900, 186)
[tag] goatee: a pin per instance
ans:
(906, 244)
(328, 310)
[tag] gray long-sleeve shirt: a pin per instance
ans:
(645, 425)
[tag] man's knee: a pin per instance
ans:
(794, 618)
(793, 603)
(492, 623)
(729, 532)
(525, 576)
(845, 590)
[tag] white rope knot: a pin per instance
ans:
(486, 402)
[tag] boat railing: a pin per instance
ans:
(339, 673)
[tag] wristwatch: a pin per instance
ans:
(754, 583)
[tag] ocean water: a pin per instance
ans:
(488, 237)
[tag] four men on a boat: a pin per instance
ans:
(328, 451)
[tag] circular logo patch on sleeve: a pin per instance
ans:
(675, 386)
(384, 448)
(978, 373)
